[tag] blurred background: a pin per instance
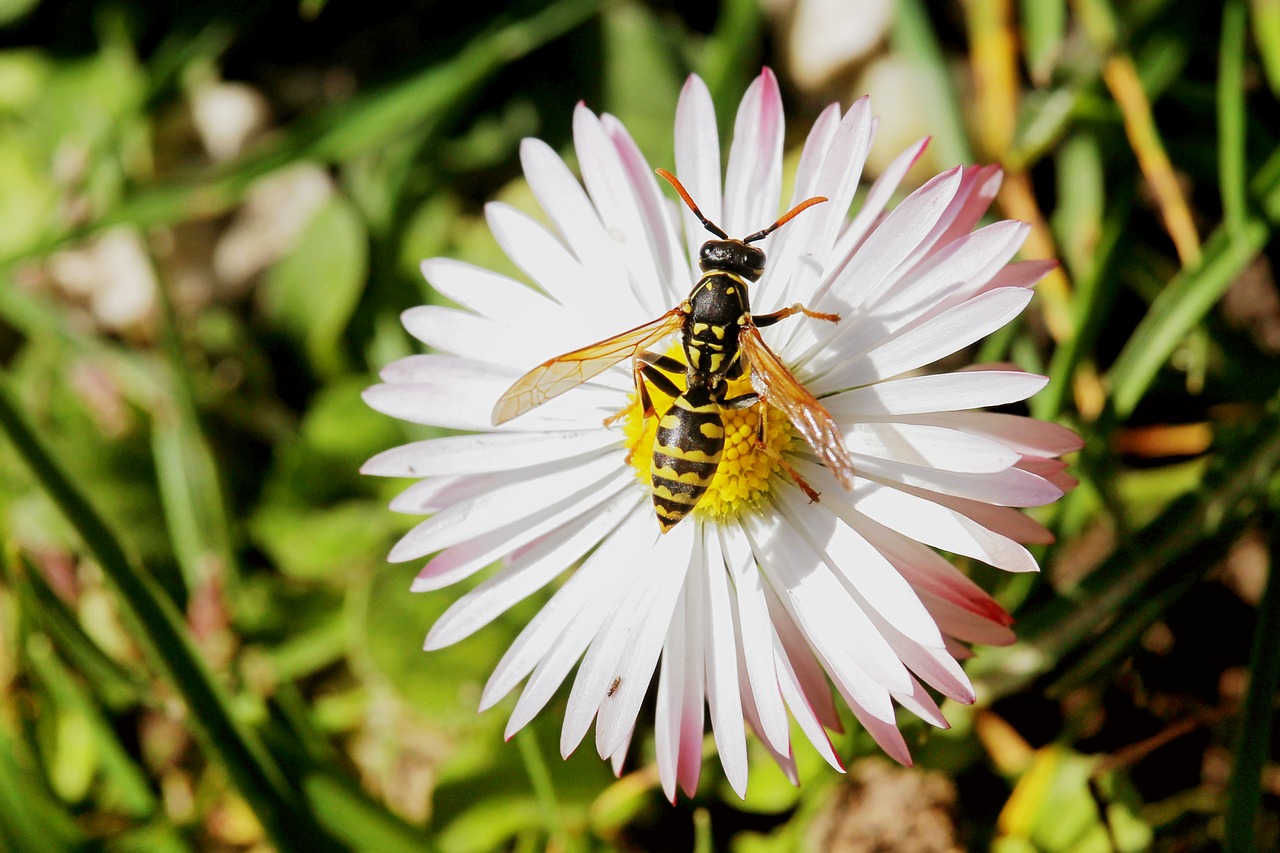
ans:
(211, 215)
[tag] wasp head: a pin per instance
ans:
(732, 256)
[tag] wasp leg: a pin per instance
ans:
(760, 321)
(810, 492)
(648, 366)
(665, 363)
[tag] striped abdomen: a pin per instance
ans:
(686, 453)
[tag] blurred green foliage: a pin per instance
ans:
(211, 217)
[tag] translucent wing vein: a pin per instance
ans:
(556, 376)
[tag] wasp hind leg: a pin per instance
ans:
(761, 321)
(761, 427)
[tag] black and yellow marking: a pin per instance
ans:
(686, 454)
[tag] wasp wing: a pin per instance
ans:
(552, 378)
(777, 386)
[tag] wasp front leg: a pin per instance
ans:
(761, 321)
(650, 368)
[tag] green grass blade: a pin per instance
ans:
(1182, 304)
(1044, 26)
(1231, 116)
(1266, 32)
(159, 630)
(1244, 798)
(116, 685)
(914, 37)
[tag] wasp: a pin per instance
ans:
(721, 341)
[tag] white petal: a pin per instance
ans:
(847, 287)
(982, 185)
(433, 495)
(955, 273)
(695, 678)
(754, 628)
(482, 453)
(666, 714)
(583, 603)
(612, 651)
(567, 204)
(803, 245)
(753, 184)
(810, 678)
(1025, 435)
(614, 198)
(877, 197)
(876, 585)
(618, 758)
(723, 699)
(837, 629)
(492, 295)
(544, 485)
(937, 337)
(1011, 487)
(581, 290)
(463, 560)
(675, 555)
(798, 702)
(934, 447)
(698, 161)
(535, 568)
(464, 334)
(938, 393)
(1022, 274)
(935, 666)
(935, 525)
(665, 246)
(434, 399)
(920, 703)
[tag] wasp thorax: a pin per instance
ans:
(732, 256)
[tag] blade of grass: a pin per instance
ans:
(118, 686)
(1266, 32)
(30, 819)
(190, 488)
(1244, 792)
(1044, 28)
(1126, 87)
(131, 790)
(1180, 306)
(159, 630)
(1231, 117)
(731, 53)
(914, 37)
(543, 788)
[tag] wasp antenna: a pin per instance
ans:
(786, 217)
(684, 194)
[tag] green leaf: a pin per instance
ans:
(310, 294)
(320, 543)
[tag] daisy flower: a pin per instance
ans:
(760, 602)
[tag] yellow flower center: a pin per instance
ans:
(746, 466)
